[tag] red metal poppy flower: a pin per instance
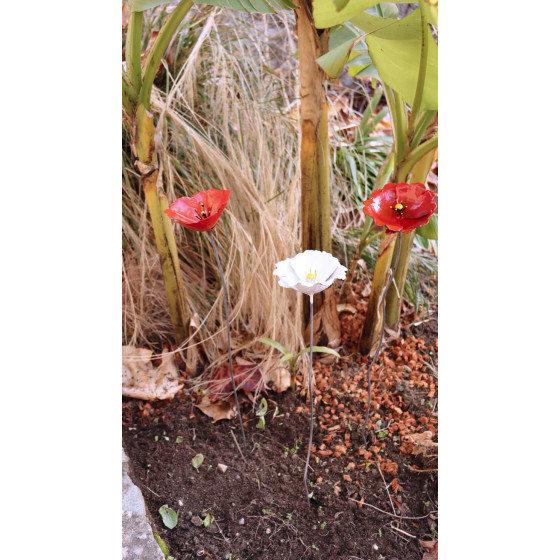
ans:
(401, 207)
(201, 211)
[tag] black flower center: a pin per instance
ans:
(203, 214)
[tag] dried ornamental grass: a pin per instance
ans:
(225, 126)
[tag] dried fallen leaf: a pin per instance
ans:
(221, 410)
(247, 377)
(277, 378)
(141, 380)
(431, 554)
(422, 443)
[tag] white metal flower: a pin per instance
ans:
(310, 272)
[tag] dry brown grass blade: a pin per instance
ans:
(229, 120)
(224, 127)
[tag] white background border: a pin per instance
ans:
(61, 280)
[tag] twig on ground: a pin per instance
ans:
(386, 488)
(431, 367)
(411, 469)
(389, 513)
(220, 529)
(434, 407)
(239, 448)
(403, 532)
(153, 492)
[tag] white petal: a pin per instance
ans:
(311, 262)
(294, 272)
(287, 277)
(338, 274)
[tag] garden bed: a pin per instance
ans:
(258, 508)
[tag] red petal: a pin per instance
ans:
(184, 210)
(418, 201)
(379, 206)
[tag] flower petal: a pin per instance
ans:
(417, 200)
(286, 275)
(310, 262)
(293, 273)
(190, 211)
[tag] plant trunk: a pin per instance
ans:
(315, 164)
(147, 164)
(418, 174)
(373, 319)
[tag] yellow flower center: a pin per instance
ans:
(311, 275)
(399, 207)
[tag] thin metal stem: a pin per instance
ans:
(211, 235)
(378, 351)
(310, 398)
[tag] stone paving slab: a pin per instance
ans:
(138, 542)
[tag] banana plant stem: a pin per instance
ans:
(310, 397)
(226, 304)
(378, 351)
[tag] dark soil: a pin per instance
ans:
(258, 508)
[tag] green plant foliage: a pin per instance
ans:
(263, 408)
(162, 545)
(359, 157)
(395, 48)
(327, 14)
(333, 62)
(142, 5)
(359, 61)
(258, 6)
(292, 358)
(261, 413)
(197, 461)
(430, 230)
(322, 349)
(168, 516)
(274, 344)
(340, 4)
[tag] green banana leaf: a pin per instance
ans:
(326, 13)
(430, 230)
(394, 47)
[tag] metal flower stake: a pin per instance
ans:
(400, 208)
(201, 213)
(309, 272)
